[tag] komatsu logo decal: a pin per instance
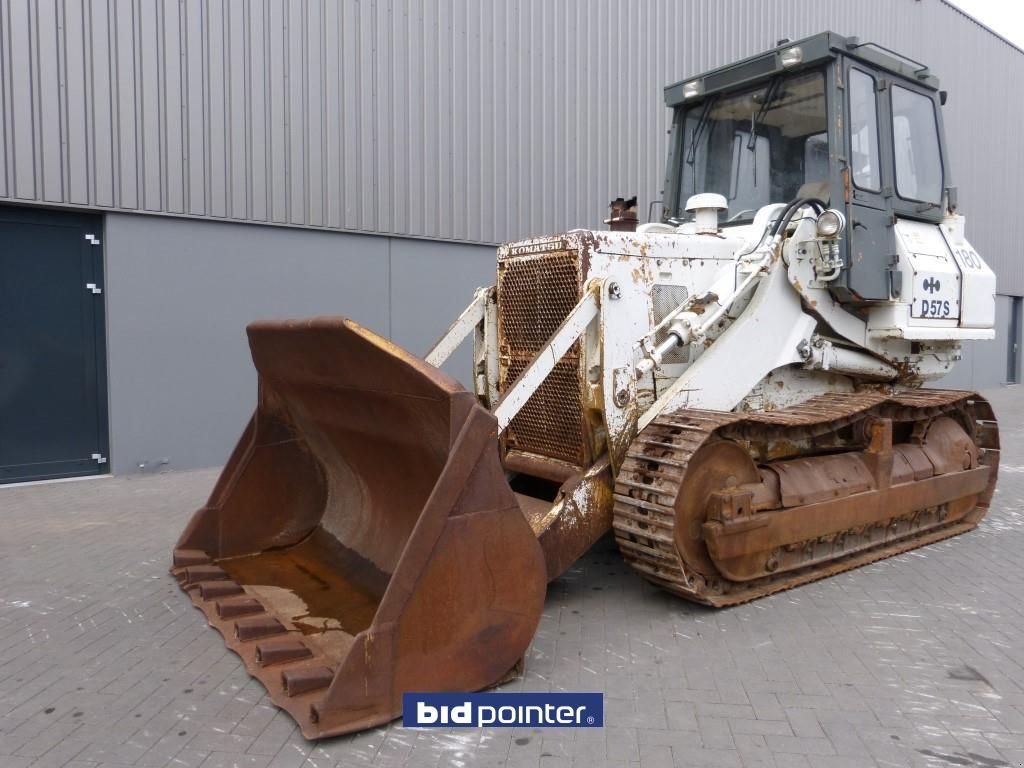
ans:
(542, 247)
(504, 710)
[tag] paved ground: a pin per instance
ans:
(913, 661)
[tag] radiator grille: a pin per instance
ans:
(535, 294)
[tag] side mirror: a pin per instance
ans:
(943, 95)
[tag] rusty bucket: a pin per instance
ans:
(362, 540)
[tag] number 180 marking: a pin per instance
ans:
(968, 257)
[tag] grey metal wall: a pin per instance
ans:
(984, 364)
(455, 119)
(179, 295)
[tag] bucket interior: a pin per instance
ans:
(375, 448)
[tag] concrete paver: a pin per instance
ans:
(917, 660)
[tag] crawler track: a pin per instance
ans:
(649, 485)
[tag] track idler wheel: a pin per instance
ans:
(720, 465)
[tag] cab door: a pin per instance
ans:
(871, 243)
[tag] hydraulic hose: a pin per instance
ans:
(787, 214)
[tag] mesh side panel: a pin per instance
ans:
(535, 294)
(666, 298)
(550, 424)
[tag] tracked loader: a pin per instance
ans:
(735, 391)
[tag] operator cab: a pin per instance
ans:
(827, 117)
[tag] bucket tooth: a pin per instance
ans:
(305, 679)
(238, 606)
(196, 573)
(258, 627)
(221, 588)
(281, 651)
(186, 557)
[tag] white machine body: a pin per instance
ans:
(728, 319)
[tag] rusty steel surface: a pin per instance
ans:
(722, 508)
(362, 540)
(580, 515)
(535, 295)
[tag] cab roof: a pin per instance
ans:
(815, 50)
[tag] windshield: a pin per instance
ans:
(765, 145)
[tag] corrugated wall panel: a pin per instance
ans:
(238, 118)
(99, 116)
(51, 98)
(332, 116)
(152, 120)
(258, 123)
(127, 92)
(22, 113)
(194, 57)
(6, 139)
(216, 143)
(450, 119)
(172, 78)
(277, 119)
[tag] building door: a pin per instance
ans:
(53, 414)
(1013, 342)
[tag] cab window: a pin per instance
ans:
(864, 162)
(915, 137)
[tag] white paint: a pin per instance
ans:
(457, 332)
(764, 337)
